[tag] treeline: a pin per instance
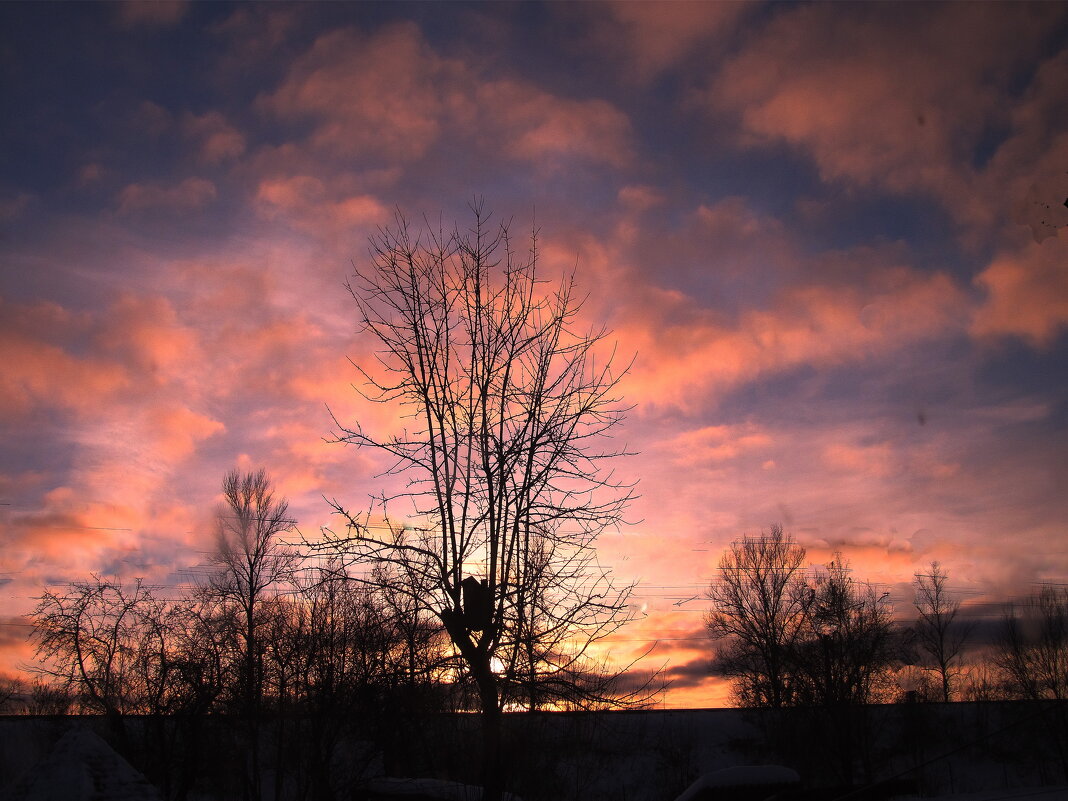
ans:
(299, 650)
(812, 651)
(266, 630)
(296, 654)
(789, 635)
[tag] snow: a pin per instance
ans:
(427, 788)
(741, 776)
(82, 767)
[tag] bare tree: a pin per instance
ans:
(938, 632)
(758, 615)
(88, 639)
(49, 697)
(250, 560)
(11, 694)
(510, 409)
(1033, 650)
(848, 640)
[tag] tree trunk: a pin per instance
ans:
(492, 778)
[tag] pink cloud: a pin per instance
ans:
(876, 99)
(191, 193)
(639, 198)
(1026, 293)
(392, 95)
(217, 139)
(150, 118)
(533, 125)
(177, 430)
(12, 208)
(309, 205)
(715, 444)
(379, 95)
(687, 353)
(876, 460)
(154, 14)
(651, 37)
(70, 530)
(145, 333)
(40, 373)
(1026, 181)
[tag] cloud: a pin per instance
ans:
(12, 208)
(217, 139)
(145, 333)
(716, 444)
(391, 95)
(189, 194)
(382, 95)
(68, 529)
(154, 14)
(532, 125)
(1026, 293)
(879, 98)
(687, 354)
(646, 39)
(1026, 182)
(39, 372)
(150, 118)
(328, 213)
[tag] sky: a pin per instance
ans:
(832, 236)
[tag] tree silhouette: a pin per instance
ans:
(509, 408)
(250, 560)
(758, 615)
(848, 640)
(88, 638)
(938, 632)
(1033, 647)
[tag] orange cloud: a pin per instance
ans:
(686, 353)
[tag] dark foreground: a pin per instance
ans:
(858, 753)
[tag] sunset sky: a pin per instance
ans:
(831, 235)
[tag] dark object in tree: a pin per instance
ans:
(478, 602)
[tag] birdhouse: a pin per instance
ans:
(478, 603)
